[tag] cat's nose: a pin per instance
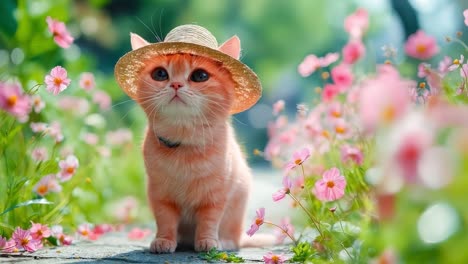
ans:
(176, 85)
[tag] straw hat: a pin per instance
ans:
(196, 40)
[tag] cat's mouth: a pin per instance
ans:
(176, 99)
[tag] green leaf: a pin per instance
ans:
(8, 23)
(27, 203)
(215, 256)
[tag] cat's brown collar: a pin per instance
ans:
(166, 142)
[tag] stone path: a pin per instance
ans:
(117, 248)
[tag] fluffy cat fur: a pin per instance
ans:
(198, 190)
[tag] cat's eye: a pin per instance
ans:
(199, 75)
(159, 74)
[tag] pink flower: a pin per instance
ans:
(271, 258)
(456, 63)
(342, 129)
(57, 80)
(119, 137)
(102, 229)
(85, 231)
(331, 186)
(102, 99)
(335, 110)
(47, 184)
(298, 158)
(257, 222)
(311, 63)
(37, 103)
(87, 81)
(287, 227)
(330, 91)
(13, 100)
(57, 232)
(24, 240)
(55, 131)
(423, 69)
(353, 51)
(349, 153)
(282, 192)
(357, 23)
(444, 65)
(342, 76)
(76, 105)
(385, 98)
(6, 245)
(421, 46)
(408, 154)
(464, 70)
(39, 231)
(278, 107)
(39, 154)
(68, 168)
(465, 14)
(138, 234)
(125, 209)
(38, 127)
(91, 138)
(60, 33)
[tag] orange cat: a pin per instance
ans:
(198, 178)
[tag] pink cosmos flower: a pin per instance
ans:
(464, 70)
(421, 46)
(47, 184)
(57, 80)
(330, 91)
(278, 107)
(119, 137)
(39, 154)
(408, 153)
(38, 127)
(76, 105)
(357, 23)
(57, 232)
(60, 33)
(287, 184)
(13, 100)
(139, 234)
(125, 209)
(465, 14)
(39, 231)
(298, 158)
(91, 138)
(24, 240)
(335, 110)
(68, 168)
(353, 51)
(342, 76)
(102, 99)
(385, 98)
(37, 103)
(456, 63)
(6, 245)
(349, 153)
(288, 229)
(87, 81)
(423, 69)
(342, 129)
(271, 258)
(257, 222)
(102, 229)
(55, 131)
(311, 63)
(84, 230)
(444, 65)
(331, 186)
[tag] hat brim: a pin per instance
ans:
(247, 90)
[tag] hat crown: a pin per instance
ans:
(192, 34)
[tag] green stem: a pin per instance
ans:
(284, 231)
(316, 223)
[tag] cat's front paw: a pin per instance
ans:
(207, 244)
(162, 245)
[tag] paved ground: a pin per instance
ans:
(116, 248)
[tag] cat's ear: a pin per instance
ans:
(137, 41)
(232, 47)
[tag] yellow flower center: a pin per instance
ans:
(275, 259)
(298, 161)
(388, 114)
(58, 81)
(456, 61)
(258, 221)
(325, 75)
(42, 189)
(11, 101)
(340, 129)
(421, 48)
(422, 85)
(326, 134)
(70, 170)
(330, 184)
(336, 113)
(24, 241)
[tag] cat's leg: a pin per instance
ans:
(232, 223)
(167, 216)
(208, 218)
